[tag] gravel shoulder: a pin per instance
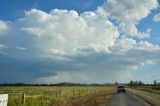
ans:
(153, 99)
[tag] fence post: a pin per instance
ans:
(42, 100)
(73, 92)
(23, 99)
(79, 92)
(66, 94)
(56, 94)
(60, 92)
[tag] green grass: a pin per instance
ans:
(151, 89)
(45, 96)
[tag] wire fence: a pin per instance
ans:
(40, 97)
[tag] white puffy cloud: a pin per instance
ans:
(129, 13)
(20, 48)
(156, 18)
(2, 46)
(34, 31)
(131, 30)
(3, 27)
(65, 30)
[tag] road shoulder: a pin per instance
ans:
(151, 98)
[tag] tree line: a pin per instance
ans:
(131, 83)
(57, 84)
(140, 83)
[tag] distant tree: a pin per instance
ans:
(131, 83)
(116, 83)
(155, 83)
(140, 83)
(135, 83)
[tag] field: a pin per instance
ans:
(55, 96)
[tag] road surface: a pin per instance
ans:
(127, 99)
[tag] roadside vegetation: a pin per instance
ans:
(148, 92)
(55, 95)
(153, 88)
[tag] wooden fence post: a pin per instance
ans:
(66, 93)
(60, 92)
(73, 92)
(79, 92)
(56, 94)
(23, 99)
(42, 100)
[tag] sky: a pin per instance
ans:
(79, 41)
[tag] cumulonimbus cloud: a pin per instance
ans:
(48, 46)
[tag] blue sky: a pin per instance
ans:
(12, 10)
(149, 23)
(81, 41)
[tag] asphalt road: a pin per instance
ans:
(127, 99)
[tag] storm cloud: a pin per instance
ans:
(64, 45)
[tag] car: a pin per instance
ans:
(121, 88)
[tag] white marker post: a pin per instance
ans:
(3, 99)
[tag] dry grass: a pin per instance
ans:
(52, 96)
(97, 99)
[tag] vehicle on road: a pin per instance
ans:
(121, 88)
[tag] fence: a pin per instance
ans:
(32, 97)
